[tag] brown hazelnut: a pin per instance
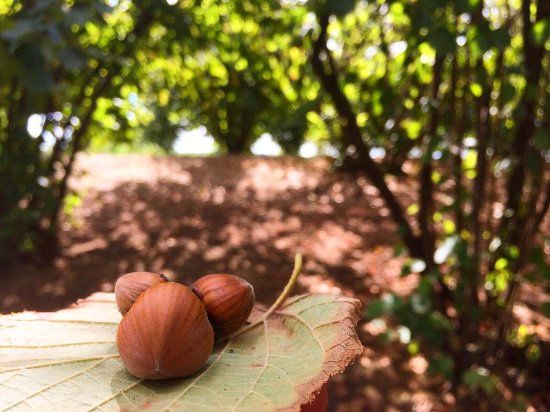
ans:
(166, 333)
(228, 300)
(128, 287)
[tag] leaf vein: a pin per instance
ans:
(120, 392)
(59, 382)
(198, 377)
(266, 362)
(46, 364)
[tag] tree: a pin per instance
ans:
(455, 90)
(245, 79)
(89, 74)
(477, 221)
(59, 60)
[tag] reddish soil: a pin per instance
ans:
(186, 217)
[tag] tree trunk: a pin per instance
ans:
(352, 136)
(525, 128)
(78, 144)
(425, 216)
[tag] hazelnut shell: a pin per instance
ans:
(228, 301)
(166, 334)
(128, 287)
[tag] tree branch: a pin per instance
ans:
(78, 144)
(477, 220)
(56, 150)
(425, 215)
(525, 128)
(456, 141)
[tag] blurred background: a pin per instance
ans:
(402, 146)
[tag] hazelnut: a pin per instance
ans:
(166, 333)
(228, 300)
(128, 287)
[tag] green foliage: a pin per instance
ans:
(480, 378)
(453, 93)
(454, 85)
(40, 57)
(442, 365)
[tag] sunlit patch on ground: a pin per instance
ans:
(316, 284)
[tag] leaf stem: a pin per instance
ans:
(282, 297)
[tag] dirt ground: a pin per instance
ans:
(186, 217)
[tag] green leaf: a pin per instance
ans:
(538, 259)
(508, 92)
(476, 89)
(22, 28)
(386, 304)
(470, 160)
(541, 139)
(449, 227)
(501, 263)
(442, 365)
(545, 309)
(442, 40)
(541, 31)
(376, 309)
(68, 360)
(479, 378)
(499, 37)
(412, 127)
